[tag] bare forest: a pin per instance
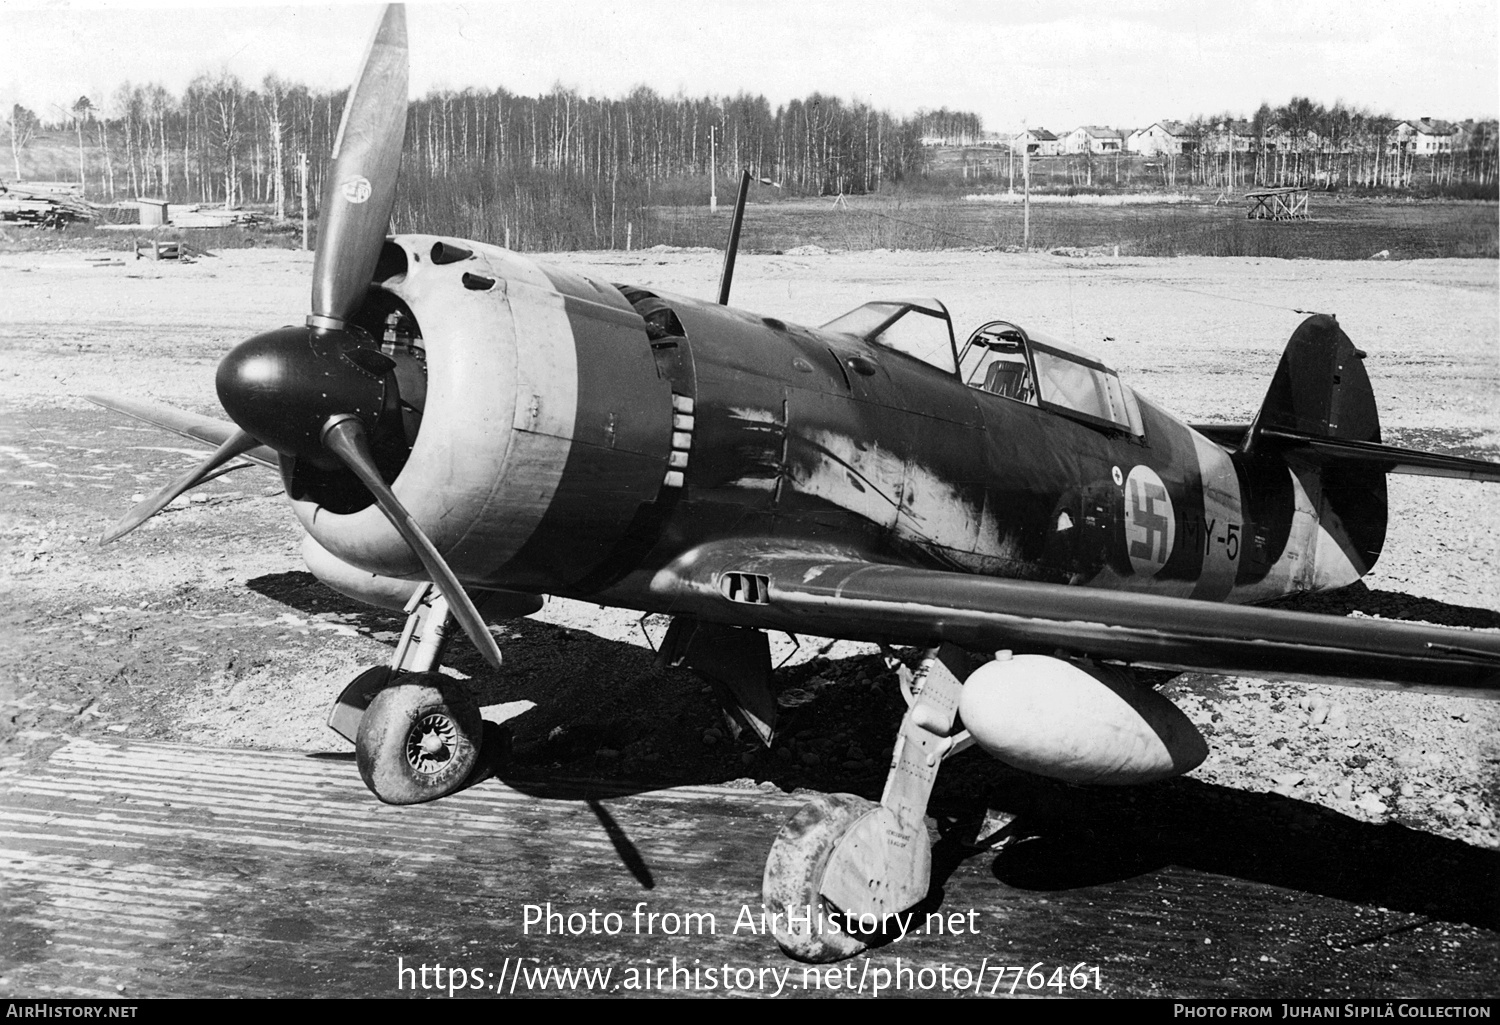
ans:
(564, 171)
(552, 171)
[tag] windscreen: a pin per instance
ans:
(918, 331)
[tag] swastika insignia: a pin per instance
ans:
(357, 189)
(1150, 527)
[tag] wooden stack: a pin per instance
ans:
(43, 204)
(209, 217)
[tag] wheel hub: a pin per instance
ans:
(430, 744)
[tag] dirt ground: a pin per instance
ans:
(204, 627)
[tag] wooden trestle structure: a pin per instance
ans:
(1287, 204)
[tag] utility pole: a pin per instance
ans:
(302, 178)
(1231, 155)
(713, 194)
(1026, 199)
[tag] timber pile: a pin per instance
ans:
(44, 204)
(208, 217)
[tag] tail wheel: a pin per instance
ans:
(793, 881)
(419, 739)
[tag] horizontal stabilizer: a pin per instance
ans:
(195, 426)
(1382, 457)
(1356, 453)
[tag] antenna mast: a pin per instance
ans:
(727, 277)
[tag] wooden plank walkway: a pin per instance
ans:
(152, 869)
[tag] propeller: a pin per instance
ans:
(322, 392)
(361, 189)
(237, 444)
(345, 435)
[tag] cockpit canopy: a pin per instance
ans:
(1000, 358)
(1004, 360)
(918, 327)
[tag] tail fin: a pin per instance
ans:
(1321, 407)
(1318, 420)
(1320, 401)
(1320, 389)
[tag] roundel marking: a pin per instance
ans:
(356, 189)
(1118, 476)
(1150, 527)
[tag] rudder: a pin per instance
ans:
(1321, 390)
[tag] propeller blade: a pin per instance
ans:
(236, 444)
(361, 187)
(345, 437)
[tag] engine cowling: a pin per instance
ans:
(545, 426)
(1077, 721)
(394, 593)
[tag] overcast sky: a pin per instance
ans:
(1055, 63)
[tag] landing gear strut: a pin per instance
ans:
(841, 859)
(417, 734)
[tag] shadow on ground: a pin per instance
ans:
(1067, 837)
(604, 708)
(1358, 597)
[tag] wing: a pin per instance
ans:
(189, 425)
(836, 593)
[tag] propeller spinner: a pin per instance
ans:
(319, 392)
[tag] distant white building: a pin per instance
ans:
(1424, 137)
(1039, 142)
(1227, 136)
(1164, 138)
(1467, 133)
(1093, 139)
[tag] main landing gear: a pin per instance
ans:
(842, 866)
(417, 734)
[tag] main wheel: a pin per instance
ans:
(419, 739)
(794, 877)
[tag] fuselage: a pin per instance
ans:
(578, 436)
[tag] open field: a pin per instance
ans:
(203, 628)
(1342, 228)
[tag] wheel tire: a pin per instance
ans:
(419, 739)
(794, 877)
